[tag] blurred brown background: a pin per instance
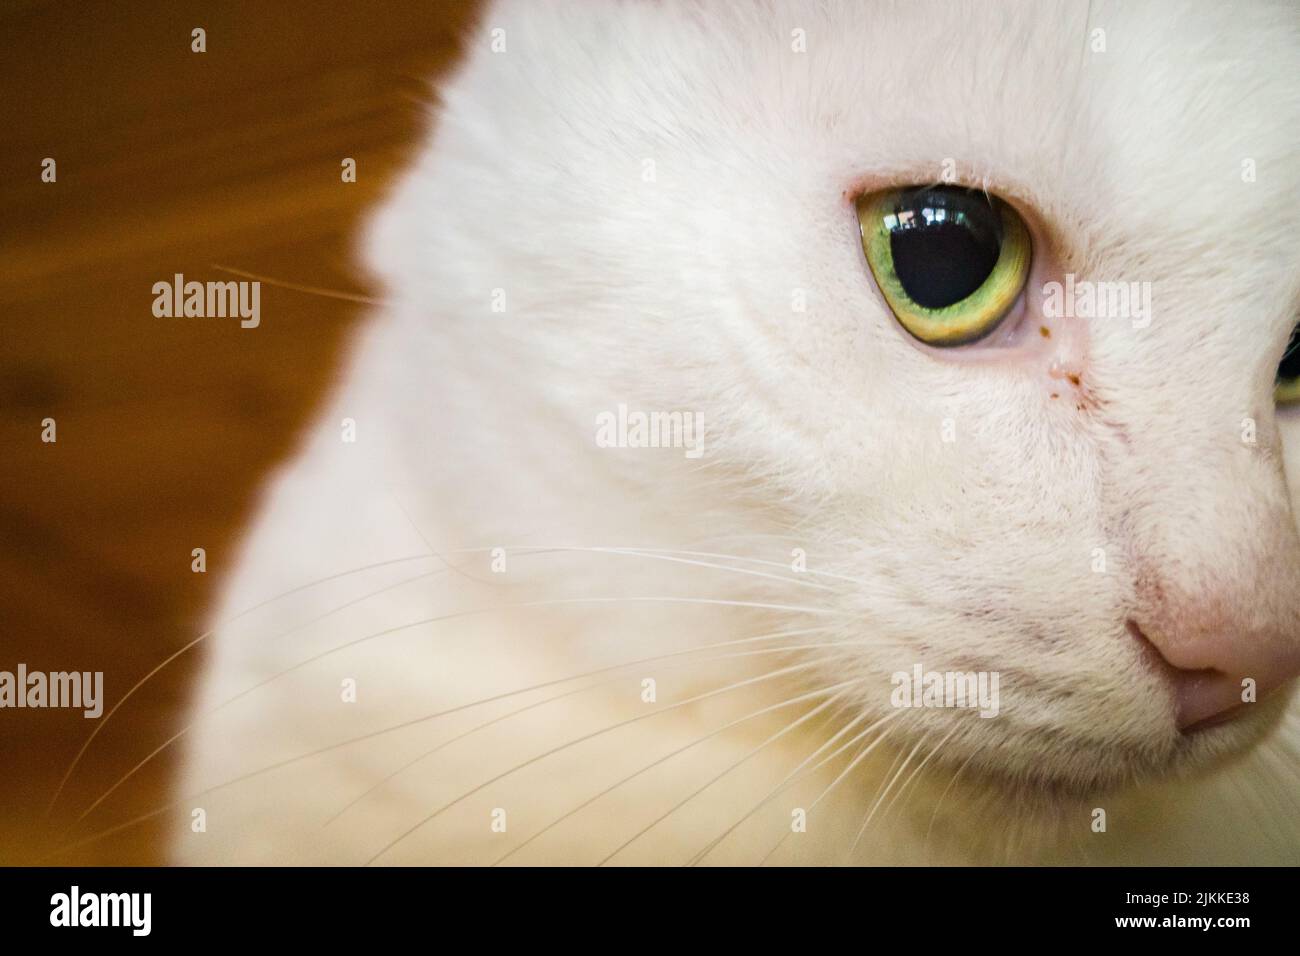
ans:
(167, 161)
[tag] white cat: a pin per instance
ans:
(479, 634)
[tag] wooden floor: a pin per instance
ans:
(167, 161)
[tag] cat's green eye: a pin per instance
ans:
(950, 261)
(1286, 391)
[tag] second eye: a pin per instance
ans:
(950, 261)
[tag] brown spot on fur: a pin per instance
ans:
(1074, 379)
(1044, 331)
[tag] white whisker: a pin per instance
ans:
(791, 777)
(695, 793)
(506, 716)
(892, 780)
(585, 737)
(102, 723)
(858, 758)
(453, 710)
(680, 750)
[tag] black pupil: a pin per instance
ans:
(1289, 367)
(945, 242)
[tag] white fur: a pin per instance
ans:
(475, 430)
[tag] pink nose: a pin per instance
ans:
(1217, 670)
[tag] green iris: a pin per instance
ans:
(950, 261)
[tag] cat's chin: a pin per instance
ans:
(1064, 776)
(1213, 745)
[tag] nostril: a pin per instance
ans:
(1203, 697)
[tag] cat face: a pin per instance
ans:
(1094, 508)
